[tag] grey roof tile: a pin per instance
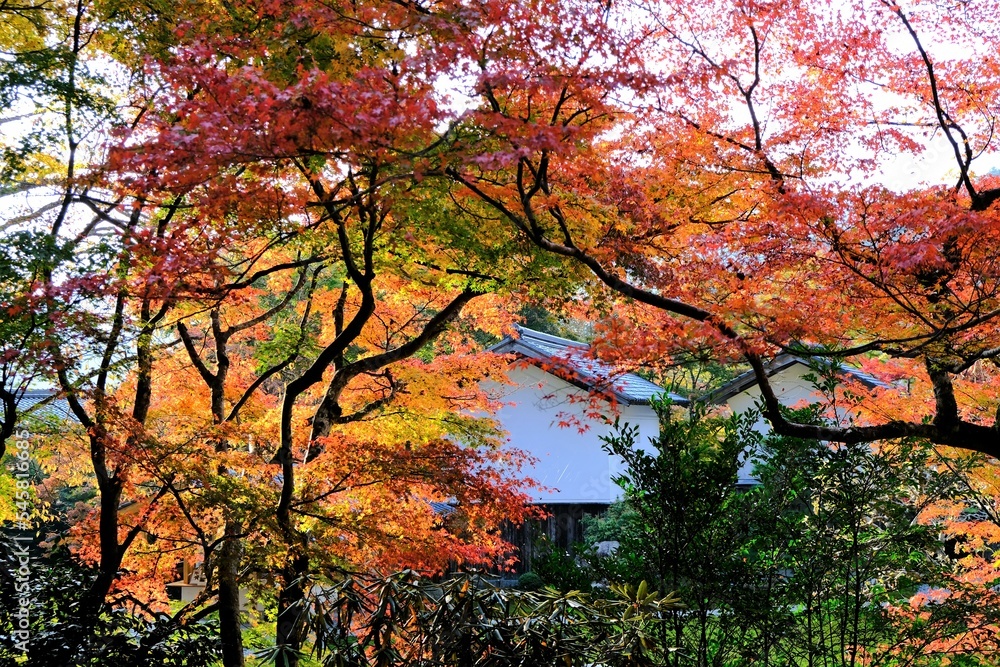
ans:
(575, 358)
(55, 409)
(442, 509)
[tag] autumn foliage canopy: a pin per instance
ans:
(264, 243)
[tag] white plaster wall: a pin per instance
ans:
(791, 390)
(572, 464)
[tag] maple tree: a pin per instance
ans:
(51, 83)
(363, 218)
(47, 92)
(718, 164)
(197, 253)
(651, 138)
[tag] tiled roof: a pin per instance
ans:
(54, 409)
(784, 360)
(441, 508)
(574, 358)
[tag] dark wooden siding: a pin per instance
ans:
(563, 527)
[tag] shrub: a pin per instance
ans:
(564, 570)
(117, 638)
(530, 581)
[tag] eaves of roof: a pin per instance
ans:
(784, 360)
(569, 359)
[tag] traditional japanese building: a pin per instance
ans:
(562, 401)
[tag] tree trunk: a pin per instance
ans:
(111, 554)
(227, 571)
(291, 627)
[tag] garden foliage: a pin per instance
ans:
(823, 563)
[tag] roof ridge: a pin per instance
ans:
(40, 392)
(552, 357)
(590, 370)
(550, 338)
